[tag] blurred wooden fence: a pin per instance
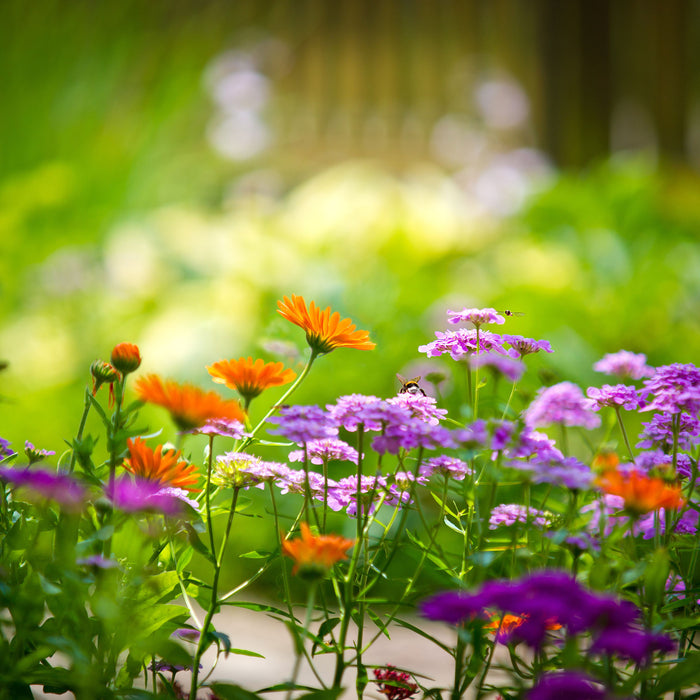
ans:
(372, 77)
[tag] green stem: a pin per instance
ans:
(81, 428)
(214, 604)
(307, 623)
(624, 433)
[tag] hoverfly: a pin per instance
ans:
(508, 312)
(410, 386)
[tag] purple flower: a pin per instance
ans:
(63, 489)
(143, 495)
(223, 427)
(472, 436)
(476, 316)
(503, 432)
(631, 643)
(302, 424)
(647, 524)
(5, 449)
(561, 471)
(296, 481)
(452, 607)
(564, 404)
(659, 432)
(581, 541)
(322, 451)
(370, 412)
(372, 488)
(512, 369)
(34, 455)
(572, 685)
(187, 634)
(526, 346)
(620, 395)
(449, 467)
(97, 561)
(243, 470)
(508, 514)
(531, 443)
(462, 342)
(410, 434)
(676, 389)
(625, 365)
(420, 406)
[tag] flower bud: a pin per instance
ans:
(126, 357)
(102, 373)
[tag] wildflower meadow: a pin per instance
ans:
(553, 536)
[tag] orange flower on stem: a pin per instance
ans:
(315, 555)
(250, 378)
(165, 467)
(126, 357)
(189, 406)
(640, 492)
(324, 331)
(504, 626)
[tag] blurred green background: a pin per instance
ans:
(168, 170)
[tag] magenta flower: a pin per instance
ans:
(5, 449)
(526, 346)
(61, 488)
(223, 427)
(296, 481)
(659, 432)
(446, 466)
(508, 514)
(144, 495)
(35, 455)
(472, 436)
(322, 451)
(419, 406)
(393, 684)
(562, 403)
(618, 396)
(370, 412)
(242, 470)
(462, 342)
(676, 389)
(302, 424)
(97, 561)
(410, 434)
(478, 317)
(625, 365)
(572, 685)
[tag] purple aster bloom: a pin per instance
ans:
(446, 466)
(452, 607)
(420, 406)
(625, 365)
(405, 481)
(302, 424)
(243, 470)
(572, 685)
(660, 462)
(322, 451)
(659, 432)
(676, 389)
(295, 481)
(526, 346)
(35, 455)
(143, 495)
(63, 489)
(412, 433)
(581, 541)
(512, 369)
(503, 433)
(606, 511)
(372, 413)
(372, 488)
(5, 449)
(508, 514)
(476, 316)
(567, 471)
(462, 342)
(531, 443)
(562, 403)
(471, 436)
(630, 643)
(620, 395)
(97, 561)
(647, 524)
(223, 427)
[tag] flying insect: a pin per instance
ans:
(410, 386)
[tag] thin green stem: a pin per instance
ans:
(624, 433)
(307, 623)
(81, 428)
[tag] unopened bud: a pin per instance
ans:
(102, 373)
(126, 357)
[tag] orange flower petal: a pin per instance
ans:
(640, 492)
(166, 467)
(316, 553)
(324, 331)
(250, 378)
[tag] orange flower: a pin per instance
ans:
(640, 492)
(507, 624)
(605, 461)
(250, 378)
(314, 555)
(126, 357)
(189, 406)
(324, 331)
(161, 466)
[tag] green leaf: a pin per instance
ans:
(683, 675)
(255, 555)
(245, 652)
(327, 694)
(197, 544)
(100, 411)
(655, 577)
(422, 633)
(228, 691)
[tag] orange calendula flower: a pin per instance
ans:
(126, 357)
(189, 406)
(164, 466)
(314, 555)
(640, 492)
(324, 331)
(505, 626)
(250, 378)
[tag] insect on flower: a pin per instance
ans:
(410, 386)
